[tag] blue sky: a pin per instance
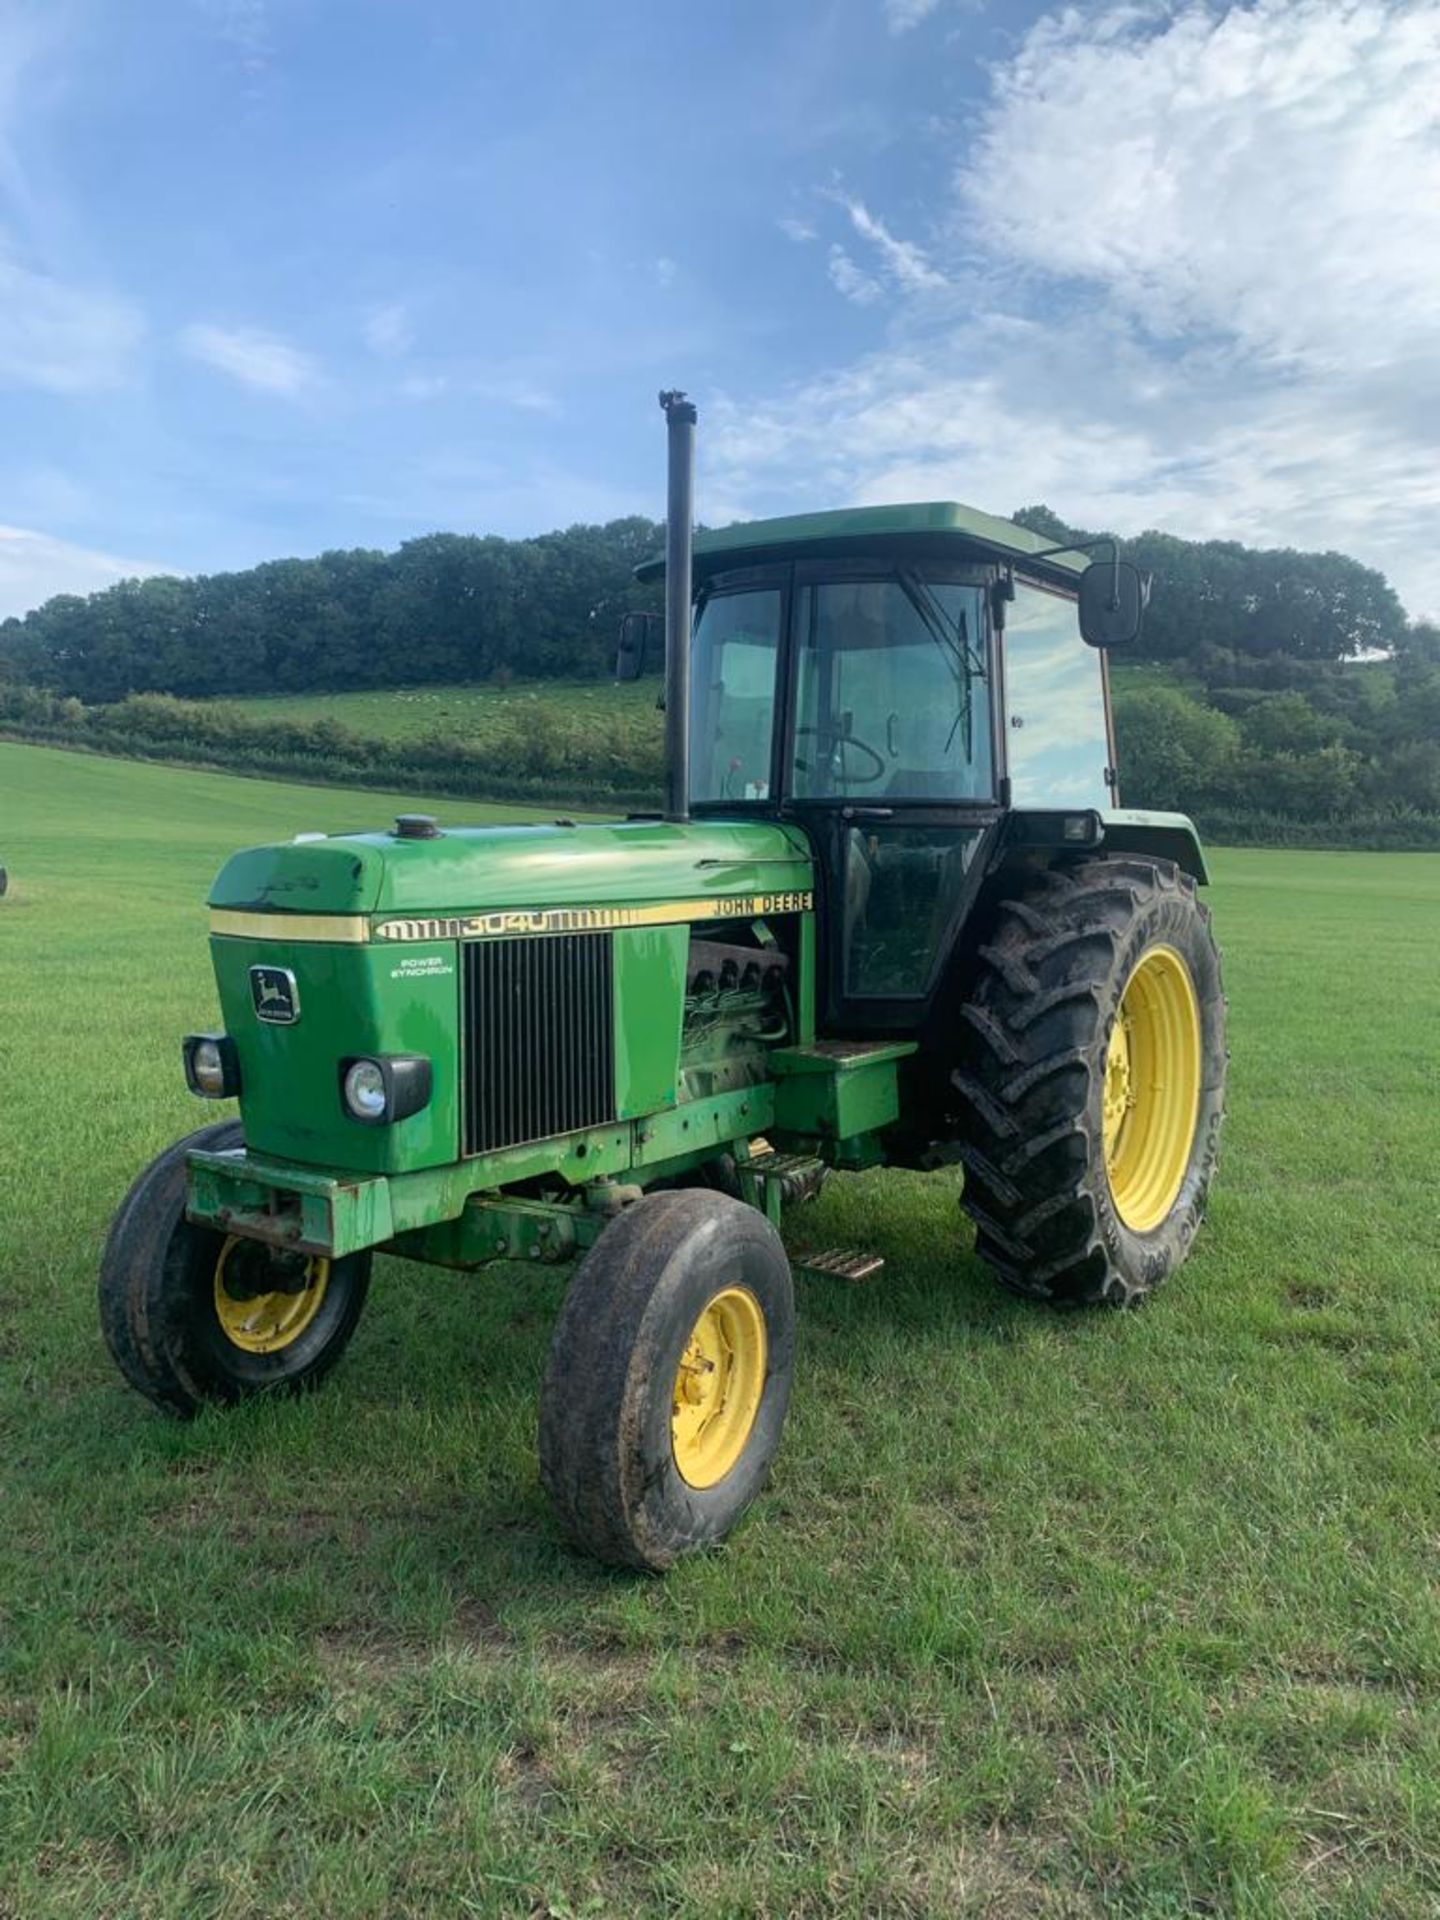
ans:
(277, 275)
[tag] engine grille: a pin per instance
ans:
(539, 1037)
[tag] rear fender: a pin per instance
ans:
(1035, 834)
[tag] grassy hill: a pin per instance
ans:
(417, 713)
(1063, 1616)
(1353, 761)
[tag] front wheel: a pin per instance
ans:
(192, 1315)
(1092, 1081)
(668, 1379)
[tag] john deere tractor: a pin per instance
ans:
(892, 915)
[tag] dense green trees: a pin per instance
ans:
(449, 607)
(1217, 597)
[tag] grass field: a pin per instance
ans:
(1040, 1616)
(417, 713)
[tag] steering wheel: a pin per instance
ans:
(841, 741)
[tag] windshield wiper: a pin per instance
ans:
(966, 664)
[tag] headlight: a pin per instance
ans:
(365, 1090)
(391, 1086)
(212, 1067)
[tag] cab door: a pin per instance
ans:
(890, 767)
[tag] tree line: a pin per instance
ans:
(442, 609)
(1275, 694)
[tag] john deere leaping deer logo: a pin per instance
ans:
(276, 997)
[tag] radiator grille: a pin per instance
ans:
(539, 1038)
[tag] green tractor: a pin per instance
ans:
(892, 915)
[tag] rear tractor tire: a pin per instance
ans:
(1092, 1081)
(668, 1379)
(192, 1315)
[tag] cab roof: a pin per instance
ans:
(849, 530)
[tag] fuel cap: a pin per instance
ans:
(416, 826)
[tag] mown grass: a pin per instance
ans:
(1040, 1616)
(420, 713)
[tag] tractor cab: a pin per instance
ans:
(896, 680)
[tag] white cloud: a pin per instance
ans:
(1271, 172)
(388, 330)
(243, 25)
(905, 262)
(56, 331)
(516, 390)
(853, 281)
(666, 270)
(258, 360)
(35, 566)
(902, 15)
(65, 338)
(797, 230)
(424, 386)
(1194, 264)
(506, 390)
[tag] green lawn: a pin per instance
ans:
(1042, 1615)
(415, 713)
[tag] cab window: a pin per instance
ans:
(732, 695)
(892, 693)
(1058, 737)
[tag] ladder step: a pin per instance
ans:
(770, 1162)
(842, 1263)
(799, 1176)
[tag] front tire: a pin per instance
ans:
(1092, 1081)
(191, 1315)
(668, 1379)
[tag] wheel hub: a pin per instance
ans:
(264, 1303)
(1150, 1101)
(718, 1385)
(1119, 1092)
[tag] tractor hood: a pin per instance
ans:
(469, 869)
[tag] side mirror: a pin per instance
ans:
(1113, 598)
(636, 632)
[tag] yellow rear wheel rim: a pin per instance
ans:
(1152, 1089)
(265, 1322)
(718, 1386)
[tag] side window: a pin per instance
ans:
(732, 695)
(1055, 705)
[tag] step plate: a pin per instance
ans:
(842, 1263)
(797, 1176)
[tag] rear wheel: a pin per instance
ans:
(1092, 1081)
(668, 1379)
(193, 1315)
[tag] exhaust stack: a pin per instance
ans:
(679, 521)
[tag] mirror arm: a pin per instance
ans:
(1088, 546)
(1080, 546)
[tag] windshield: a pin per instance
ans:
(892, 695)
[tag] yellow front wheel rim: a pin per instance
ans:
(718, 1386)
(1152, 1089)
(265, 1322)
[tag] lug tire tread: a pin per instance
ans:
(1029, 1079)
